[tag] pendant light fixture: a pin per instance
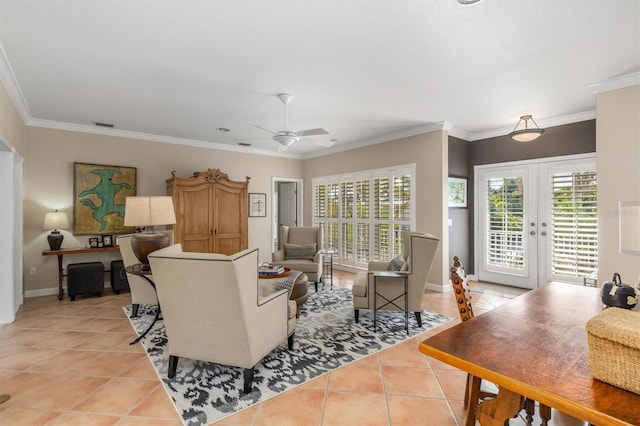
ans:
(528, 133)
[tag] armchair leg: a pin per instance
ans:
(248, 379)
(357, 314)
(134, 310)
(418, 318)
(290, 341)
(316, 284)
(173, 365)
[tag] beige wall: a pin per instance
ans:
(429, 152)
(618, 166)
(48, 173)
(12, 128)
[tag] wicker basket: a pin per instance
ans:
(614, 348)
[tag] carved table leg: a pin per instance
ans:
(494, 412)
(545, 414)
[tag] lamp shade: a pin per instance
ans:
(149, 211)
(55, 220)
(630, 227)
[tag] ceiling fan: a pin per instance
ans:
(288, 137)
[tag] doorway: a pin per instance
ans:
(287, 206)
(536, 221)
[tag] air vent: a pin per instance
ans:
(244, 144)
(98, 123)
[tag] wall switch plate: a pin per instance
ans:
(32, 270)
(450, 222)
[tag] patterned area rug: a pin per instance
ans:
(326, 338)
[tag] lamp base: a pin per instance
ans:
(55, 240)
(147, 242)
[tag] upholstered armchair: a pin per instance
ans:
(419, 250)
(142, 293)
(215, 311)
(301, 251)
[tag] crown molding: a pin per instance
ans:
(105, 131)
(8, 79)
(549, 122)
(615, 83)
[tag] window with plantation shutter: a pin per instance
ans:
(575, 224)
(505, 223)
(363, 214)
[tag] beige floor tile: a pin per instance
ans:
(295, 407)
(65, 394)
(66, 361)
(453, 383)
(349, 408)
(158, 405)
(83, 419)
(409, 381)
(357, 377)
(319, 383)
(113, 364)
(26, 417)
(143, 369)
(23, 385)
(147, 421)
(413, 411)
(118, 396)
(243, 418)
(405, 354)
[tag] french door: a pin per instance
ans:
(536, 221)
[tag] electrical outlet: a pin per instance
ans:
(32, 270)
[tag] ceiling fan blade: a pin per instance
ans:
(312, 132)
(325, 144)
(265, 129)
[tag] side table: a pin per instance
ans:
(391, 274)
(327, 267)
(145, 272)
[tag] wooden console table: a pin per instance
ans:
(79, 250)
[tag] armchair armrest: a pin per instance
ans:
(277, 256)
(317, 258)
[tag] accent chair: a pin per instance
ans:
(301, 251)
(215, 310)
(419, 251)
(141, 292)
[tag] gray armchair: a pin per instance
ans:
(301, 251)
(214, 309)
(419, 251)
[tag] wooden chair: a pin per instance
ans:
(473, 390)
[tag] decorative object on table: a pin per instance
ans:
(207, 203)
(107, 240)
(149, 211)
(257, 205)
(269, 269)
(99, 198)
(528, 133)
(457, 192)
(325, 318)
(614, 348)
(619, 295)
(93, 242)
(54, 221)
(629, 215)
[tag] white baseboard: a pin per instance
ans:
(438, 288)
(52, 290)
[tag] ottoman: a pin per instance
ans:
(300, 292)
(85, 278)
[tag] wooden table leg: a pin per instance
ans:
(472, 399)
(494, 412)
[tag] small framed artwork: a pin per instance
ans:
(93, 242)
(107, 240)
(257, 205)
(117, 240)
(457, 192)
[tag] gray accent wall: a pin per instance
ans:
(459, 231)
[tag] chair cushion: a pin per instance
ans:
(396, 264)
(295, 251)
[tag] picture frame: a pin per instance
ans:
(93, 242)
(99, 196)
(107, 240)
(257, 204)
(457, 192)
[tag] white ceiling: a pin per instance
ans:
(365, 70)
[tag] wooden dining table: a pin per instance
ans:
(535, 346)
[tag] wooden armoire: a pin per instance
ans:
(211, 212)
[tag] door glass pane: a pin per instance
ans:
(505, 225)
(575, 224)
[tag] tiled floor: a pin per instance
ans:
(69, 363)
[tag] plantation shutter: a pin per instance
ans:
(574, 227)
(505, 224)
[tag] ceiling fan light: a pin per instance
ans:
(527, 134)
(286, 140)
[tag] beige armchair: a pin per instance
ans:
(215, 311)
(418, 253)
(297, 252)
(142, 293)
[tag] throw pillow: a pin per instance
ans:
(396, 264)
(295, 251)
